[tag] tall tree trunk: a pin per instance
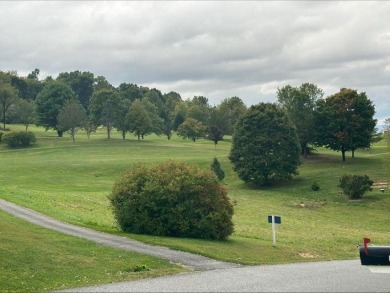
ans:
(72, 134)
(304, 150)
(108, 130)
(343, 153)
(3, 117)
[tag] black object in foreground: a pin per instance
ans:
(374, 255)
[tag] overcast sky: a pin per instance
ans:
(217, 49)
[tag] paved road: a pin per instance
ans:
(216, 276)
(331, 276)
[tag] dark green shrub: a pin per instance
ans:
(173, 199)
(216, 168)
(141, 268)
(355, 186)
(11, 139)
(315, 186)
(26, 138)
(19, 138)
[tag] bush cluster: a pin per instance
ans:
(18, 138)
(172, 199)
(355, 186)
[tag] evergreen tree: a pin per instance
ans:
(216, 168)
(265, 146)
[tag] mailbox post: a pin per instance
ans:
(274, 220)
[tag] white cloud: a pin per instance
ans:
(217, 49)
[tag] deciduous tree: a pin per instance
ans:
(130, 91)
(198, 109)
(154, 115)
(168, 115)
(230, 110)
(72, 116)
(81, 83)
(299, 104)
(8, 96)
(345, 121)
(49, 103)
(192, 129)
(25, 111)
(104, 108)
(89, 126)
(138, 120)
(179, 114)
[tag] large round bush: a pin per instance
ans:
(173, 199)
(355, 186)
(19, 138)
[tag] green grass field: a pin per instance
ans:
(71, 181)
(35, 259)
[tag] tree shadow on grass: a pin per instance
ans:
(295, 182)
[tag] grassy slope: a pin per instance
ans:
(71, 181)
(35, 259)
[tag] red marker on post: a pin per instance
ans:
(365, 241)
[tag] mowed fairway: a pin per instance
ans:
(71, 181)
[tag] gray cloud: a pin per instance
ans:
(217, 49)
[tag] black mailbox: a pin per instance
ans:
(375, 255)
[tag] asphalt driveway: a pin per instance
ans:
(189, 260)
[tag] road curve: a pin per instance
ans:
(188, 260)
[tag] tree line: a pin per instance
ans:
(74, 100)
